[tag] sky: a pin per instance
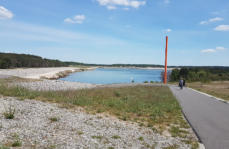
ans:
(118, 31)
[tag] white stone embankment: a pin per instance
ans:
(38, 73)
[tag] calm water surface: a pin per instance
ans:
(115, 75)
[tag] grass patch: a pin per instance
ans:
(175, 146)
(141, 139)
(54, 119)
(216, 88)
(16, 143)
(3, 147)
(148, 105)
(116, 137)
(9, 112)
(97, 137)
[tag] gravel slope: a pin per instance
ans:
(54, 85)
(74, 129)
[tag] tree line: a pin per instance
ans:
(203, 74)
(11, 60)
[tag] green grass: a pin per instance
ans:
(16, 143)
(3, 147)
(141, 139)
(53, 119)
(116, 137)
(147, 105)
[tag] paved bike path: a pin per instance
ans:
(208, 117)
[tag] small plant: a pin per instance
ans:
(53, 119)
(117, 94)
(16, 143)
(3, 147)
(116, 137)
(141, 139)
(97, 137)
(132, 81)
(146, 82)
(110, 147)
(79, 132)
(175, 146)
(9, 113)
(151, 82)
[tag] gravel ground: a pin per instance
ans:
(73, 129)
(54, 85)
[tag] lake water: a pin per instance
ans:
(115, 75)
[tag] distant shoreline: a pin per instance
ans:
(147, 68)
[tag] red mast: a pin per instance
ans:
(166, 51)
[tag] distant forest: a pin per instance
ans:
(12, 60)
(202, 74)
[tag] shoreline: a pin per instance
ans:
(146, 68)
(51, 73)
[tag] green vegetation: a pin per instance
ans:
(215, 88)
(53, 119)
(150, 106)
(16, 142)
(3, 147)
(116, 137)
(141, 139)
(203, 74)
(9, 113)
(12, 60)
(175, 146)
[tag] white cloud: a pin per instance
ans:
(111, 7)
(208, 51)
(79, 19)
(168, 30)
(213, 50)
(222, 28)
(110, 4)
(203, 22)
(5, 13)
(220, 48)
(216, 19)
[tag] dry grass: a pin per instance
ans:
(150, 106)
(217, 88)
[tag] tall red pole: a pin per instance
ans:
(166, 51)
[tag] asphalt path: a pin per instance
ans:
(208, 117)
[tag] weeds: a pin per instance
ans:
(9, 112)
(3, 147)
(141, 139)
(116, 137)
(53, 119)
(143, 104)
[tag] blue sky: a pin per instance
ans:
(118, 31)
